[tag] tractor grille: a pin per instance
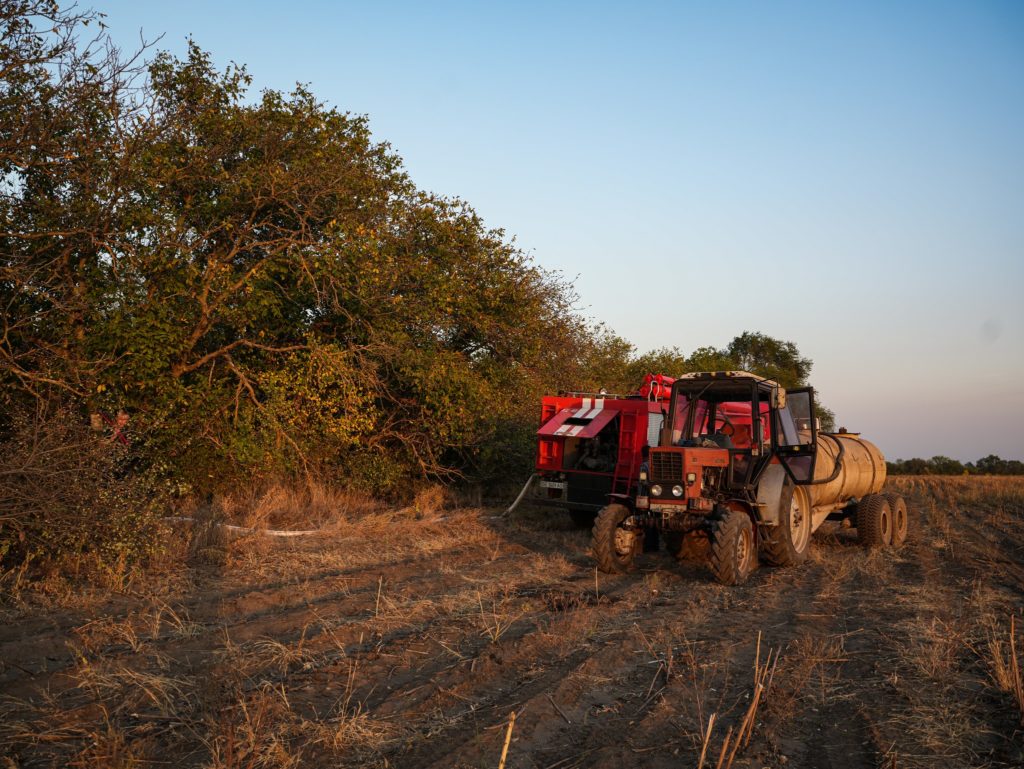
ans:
(666, 466)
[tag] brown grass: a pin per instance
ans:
(406, 637)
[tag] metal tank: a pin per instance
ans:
(861, 472)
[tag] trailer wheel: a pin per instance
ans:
(583, 519)
(615, 547)
(900, 523)
(874, 521)
(787, 544)
(733, 552)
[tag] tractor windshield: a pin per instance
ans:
(682, 424)
(708, 413)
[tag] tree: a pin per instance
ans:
(770, 357)
(259, 284)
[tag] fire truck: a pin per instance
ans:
(590, 446)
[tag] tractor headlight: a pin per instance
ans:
(656, 490)
(677, 490)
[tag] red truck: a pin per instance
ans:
(591, 445)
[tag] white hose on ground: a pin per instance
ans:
(245, 530)
(529, 482)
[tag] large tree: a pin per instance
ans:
(256, 282)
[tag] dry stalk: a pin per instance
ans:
(495, 627)
(764, 674)
(1018, 683)
(508, 739)
(706, 741)
(725, 748)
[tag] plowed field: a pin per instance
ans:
(404, 642)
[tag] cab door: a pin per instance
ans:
(796, 435)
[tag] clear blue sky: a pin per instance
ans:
(847, 176)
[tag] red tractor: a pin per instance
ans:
(742, 473)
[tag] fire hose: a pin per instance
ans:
(526, 487)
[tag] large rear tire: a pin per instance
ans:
(900, 524)
(615, 547)
(787, 544)
(874, 521)
(733, 552)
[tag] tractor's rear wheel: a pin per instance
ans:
(787, 543)
(733, 552)
(615, 546)
(900, 524)
(874, 521)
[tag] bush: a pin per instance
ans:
(69, 500)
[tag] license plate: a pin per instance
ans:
(554, 485)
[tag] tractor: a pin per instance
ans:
(740, 474)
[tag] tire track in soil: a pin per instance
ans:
(618, 718)
(287, 617)
(449, 739)
(587, 662)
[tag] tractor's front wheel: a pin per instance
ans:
(615, 546)
(733, 552)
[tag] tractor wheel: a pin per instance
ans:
(900, 524)
(733, 552)
(787, 543)
(874, 521)
(615, 547)
(582, 519)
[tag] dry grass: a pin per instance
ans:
(1004, 663)
(406, 637)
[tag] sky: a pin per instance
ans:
(845, 176)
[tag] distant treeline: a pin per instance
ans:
(990, 465)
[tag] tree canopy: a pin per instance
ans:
(258, 284)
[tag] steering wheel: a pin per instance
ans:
(725, 418)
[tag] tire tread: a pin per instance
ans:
(605, 525)
(869, 520)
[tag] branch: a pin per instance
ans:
(179, 369)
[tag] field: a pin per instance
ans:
(407, 638)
